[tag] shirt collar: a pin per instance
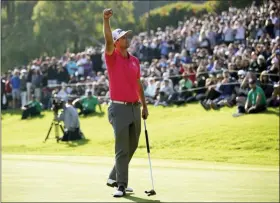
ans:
(119, 53)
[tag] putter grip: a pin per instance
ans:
(147, 141)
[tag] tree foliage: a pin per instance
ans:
(34, 28)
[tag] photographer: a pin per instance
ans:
(32, 108)
(87, 104)
(70, 118)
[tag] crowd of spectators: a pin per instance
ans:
(210, 59)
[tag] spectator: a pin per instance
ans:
(62, 74)
(87, 104)
(72, 65)
(23, 89)
(15, 84)
(150, 91)
(32, 108)
(256, 100)
(52, 72)
(275, 99)
(36, 80)
(266, 84)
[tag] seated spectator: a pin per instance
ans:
(63, 94)
(266, 84)
(150, 91)
(165, 93)
(32, 108)
(227, 92)
(184, 84)
(87, 104)
(274, 101)
(256, 100)
(91, 87)
(212, 84)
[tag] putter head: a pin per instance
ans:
(151, 192)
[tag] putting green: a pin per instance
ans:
(30, 178)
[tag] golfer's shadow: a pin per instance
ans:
(138, 199)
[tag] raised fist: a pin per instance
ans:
(107, 13)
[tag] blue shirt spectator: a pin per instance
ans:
(164, 49)
(71, 67)
(15, 82)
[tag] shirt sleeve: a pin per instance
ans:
(138, 69)
(110, 60)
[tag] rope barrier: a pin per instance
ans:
(156, 78)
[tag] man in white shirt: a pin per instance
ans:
(150, 91)
(240, 32)
(228, 34)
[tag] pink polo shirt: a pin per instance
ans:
(123, 75)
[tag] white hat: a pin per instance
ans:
(118, 33)
(23, 71)
(261, 57)
(241, 72)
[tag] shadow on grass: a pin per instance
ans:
(18, 112)
(77, 143)
(138, 199)
(11, 112)
(272, 111)
(96, 114)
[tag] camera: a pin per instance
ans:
(57, 103)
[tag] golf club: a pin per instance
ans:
(151, 192)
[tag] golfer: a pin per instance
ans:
(124, 110)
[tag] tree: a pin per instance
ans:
(17, 35)
(74, 24)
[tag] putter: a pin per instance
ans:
(151, 192)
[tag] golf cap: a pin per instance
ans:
(118, 33)
(241, 72)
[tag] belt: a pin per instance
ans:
(125, 103)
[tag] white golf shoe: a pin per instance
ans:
(113, 183)
(120, 192)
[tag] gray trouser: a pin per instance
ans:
(126, 122)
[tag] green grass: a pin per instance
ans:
(186, 133)
(28, 178)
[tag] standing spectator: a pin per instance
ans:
(228, 33)
(52, 72)
(269, 28)
(4, 102)
(62, 74)
(240, 32)
(29, 83)
(23, 89)
(36, 81)
(71, 66)
(15, 83)
(8, 89)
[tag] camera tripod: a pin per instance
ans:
(56, 124)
